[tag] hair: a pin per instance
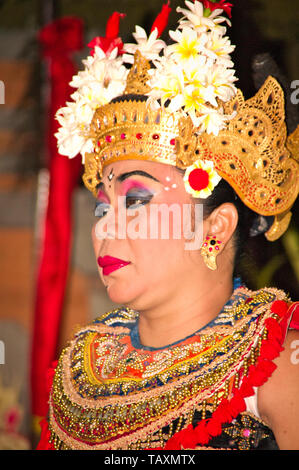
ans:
(224, 193)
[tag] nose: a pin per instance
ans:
(105, 227)
(114, 224)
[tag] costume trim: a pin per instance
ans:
(258, 374)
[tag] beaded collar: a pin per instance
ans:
(109, 394)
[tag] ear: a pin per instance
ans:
(222, 222)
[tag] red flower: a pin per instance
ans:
(198, 179)
(222, 5)
(162, 19)
(111, 40)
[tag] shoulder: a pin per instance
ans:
(277, 398)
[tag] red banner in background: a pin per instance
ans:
(58, 41)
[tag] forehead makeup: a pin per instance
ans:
(123, 176)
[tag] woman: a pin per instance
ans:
(183, 170)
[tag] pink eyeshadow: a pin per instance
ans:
(129, 184)
(102, 196)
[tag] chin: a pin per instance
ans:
(122, 292)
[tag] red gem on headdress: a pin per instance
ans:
(139, 136)
(172, 142)
(122, 136)
(198, 179)
(108, 138)
(155, 136)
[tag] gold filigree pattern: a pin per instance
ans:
(251, 154)
(138, 76)
(129, 130)
(293, 144)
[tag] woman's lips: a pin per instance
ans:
(110, 264)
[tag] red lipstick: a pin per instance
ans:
(110, 264)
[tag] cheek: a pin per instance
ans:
(157, 260)
(96, 241)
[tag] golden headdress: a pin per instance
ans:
(178, 105)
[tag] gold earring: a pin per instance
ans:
(209, 251)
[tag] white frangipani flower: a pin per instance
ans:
(195, 18)
(103, 78)
(188, 44)
(193, 76)
(212, 120)
(219, 47)
(222, 79)
(195, 73)
(149, 47)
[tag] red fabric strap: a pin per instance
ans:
(58, 40)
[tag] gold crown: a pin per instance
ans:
(251, 153)
(129, 130)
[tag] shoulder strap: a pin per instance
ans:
(290, 319)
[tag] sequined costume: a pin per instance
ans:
(110, 392)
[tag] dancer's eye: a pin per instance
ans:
(138, 197)
(101, 209)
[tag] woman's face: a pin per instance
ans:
(142, 236)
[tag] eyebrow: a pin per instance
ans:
(126, 175)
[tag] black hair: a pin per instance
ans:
(249, 224)
(129, 97)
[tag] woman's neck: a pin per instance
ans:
(184, 312)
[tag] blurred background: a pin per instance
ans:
(259, 27)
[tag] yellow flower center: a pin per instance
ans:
(193, 100)
(187, 48)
